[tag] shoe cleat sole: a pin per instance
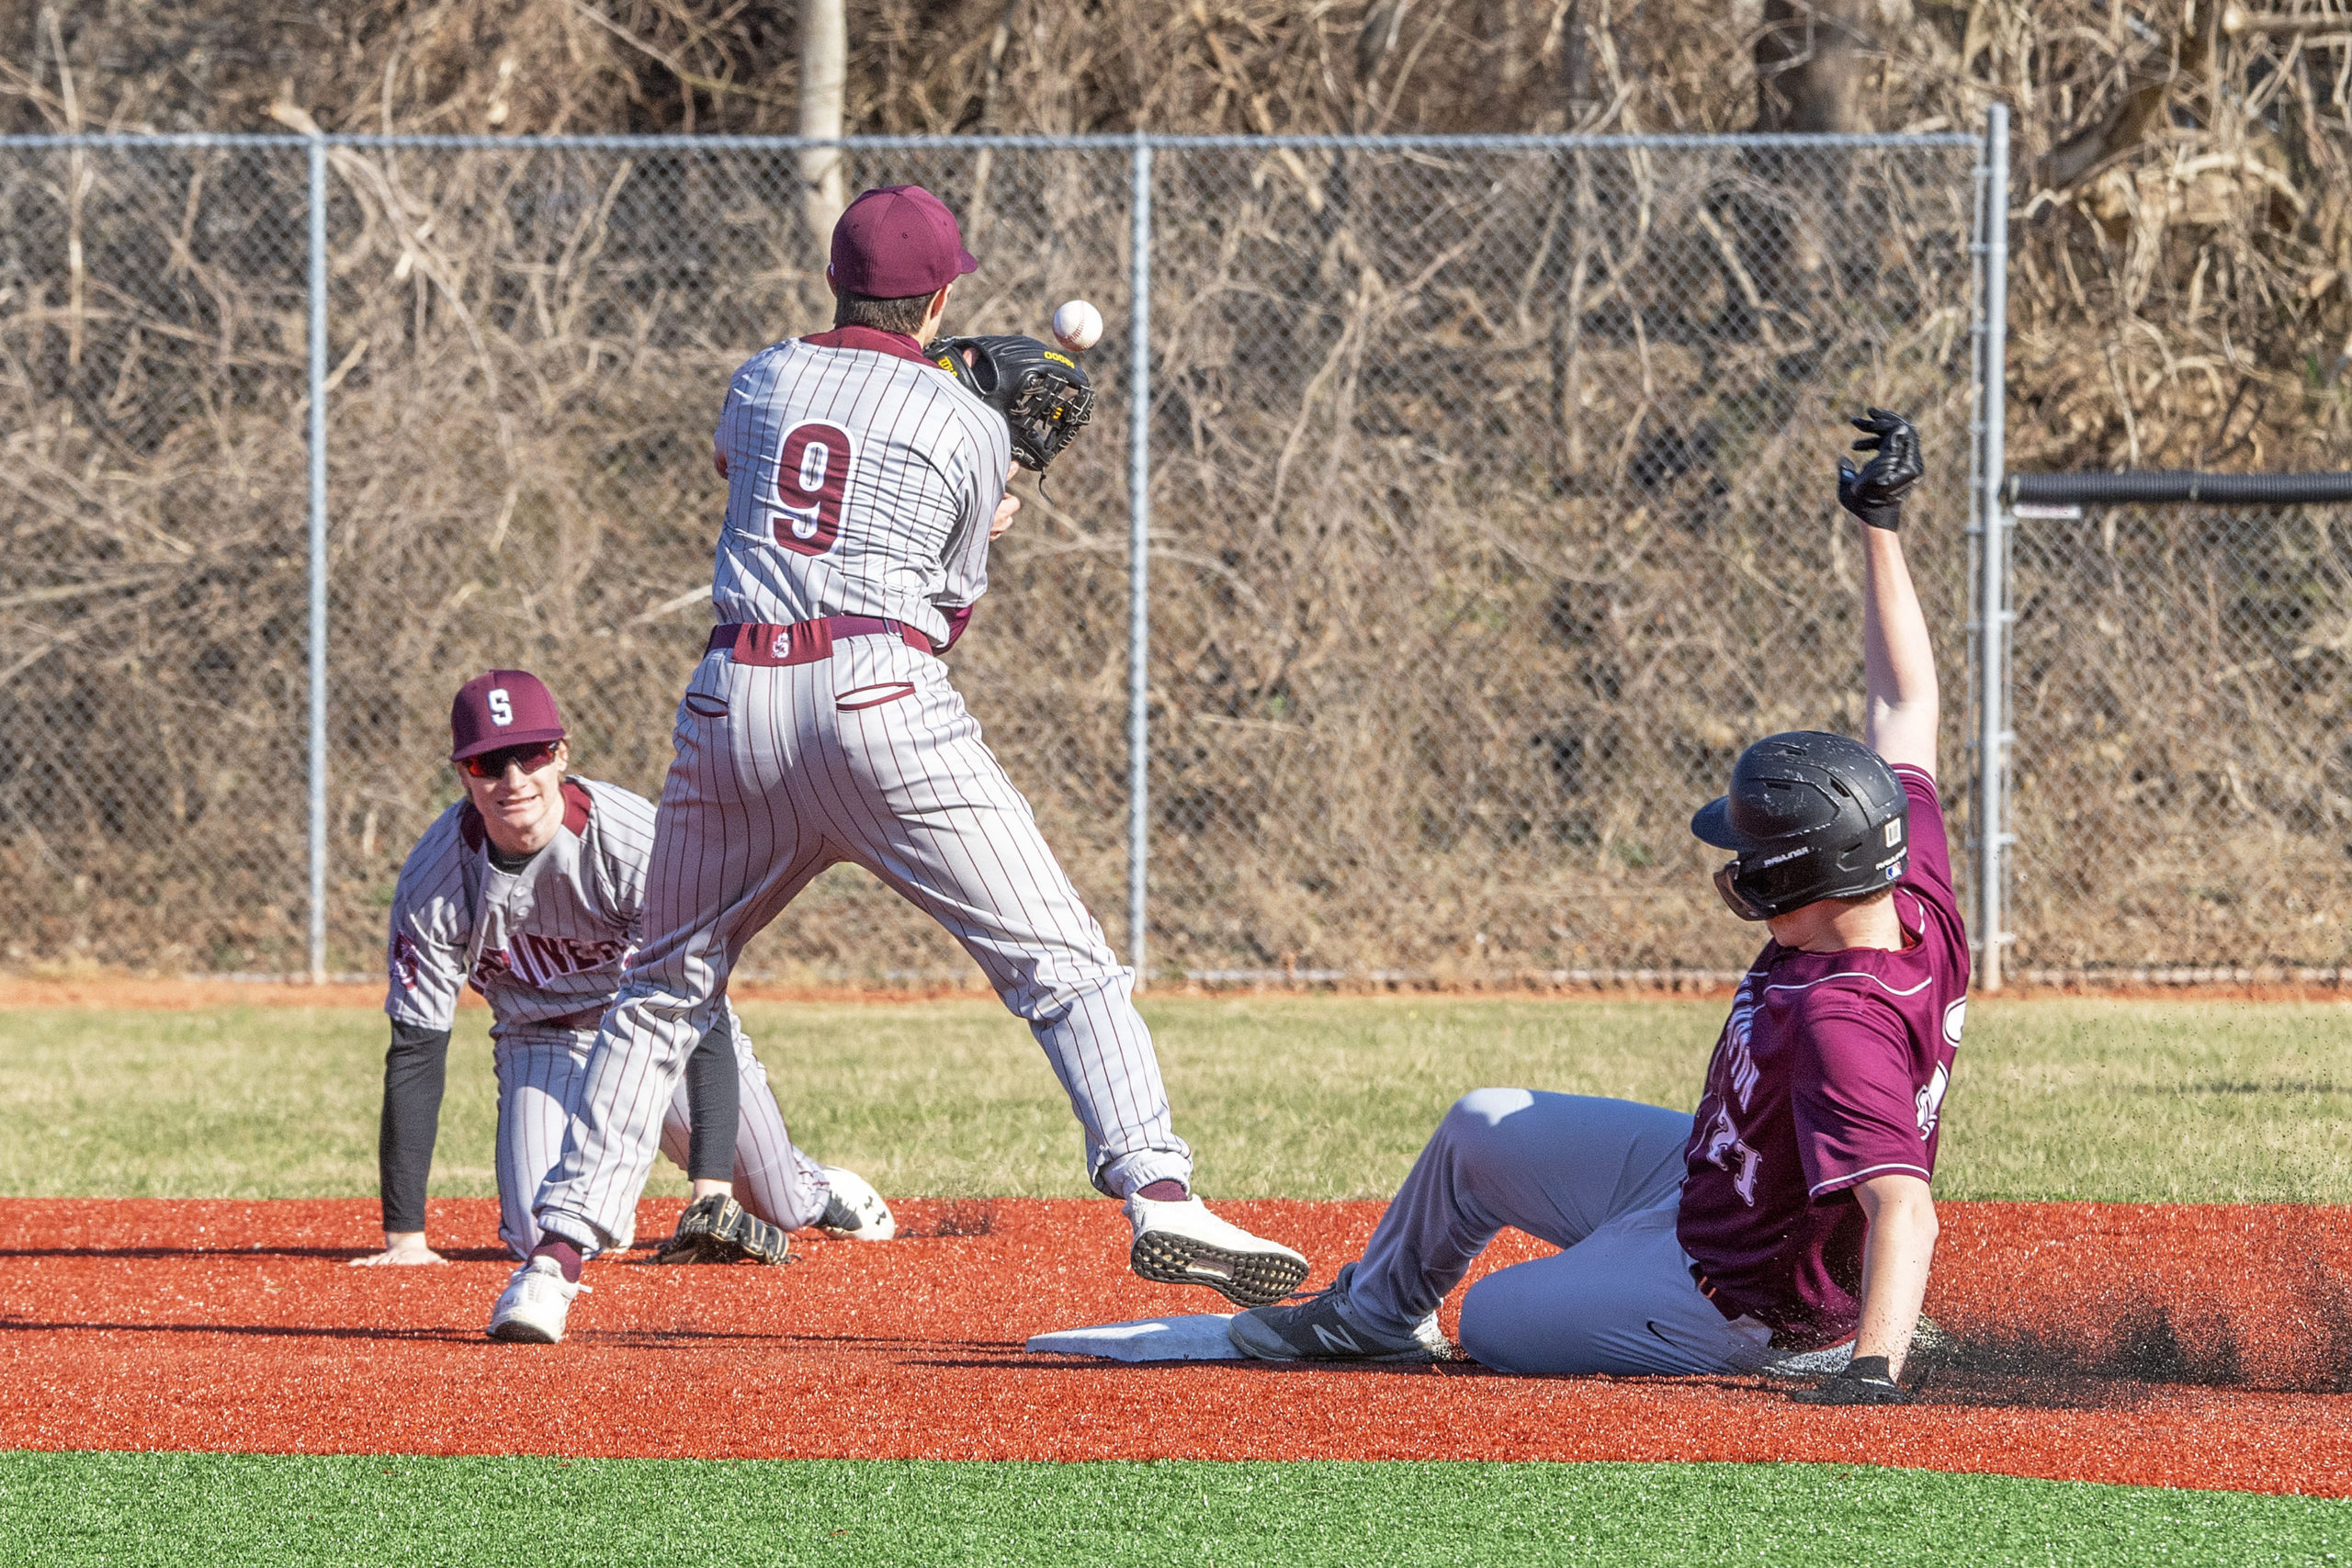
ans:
(1247, 1279)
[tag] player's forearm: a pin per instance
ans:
(1898, 661)
(415, 1069)
(1896, 1255)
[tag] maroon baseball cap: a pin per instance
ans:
(505, 707)
(898, 242)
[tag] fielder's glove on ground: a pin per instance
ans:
(718, 1229)
(1042, 392)
(1865, 1381)
(1874, 492)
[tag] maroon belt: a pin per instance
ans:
(803, 642)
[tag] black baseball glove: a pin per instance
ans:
(1864, 1381)
(1874, 492)
(1042, 392)
(718, 1229)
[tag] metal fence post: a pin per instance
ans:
(318, 393)
(1139, 558)
(1992, 640)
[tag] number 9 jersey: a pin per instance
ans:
(858, 483)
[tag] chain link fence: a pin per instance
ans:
(151, 577)
(521, 475)
(1491, 511)
(2182, 792)
(1496, 511)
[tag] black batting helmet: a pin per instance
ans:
(1810, 816)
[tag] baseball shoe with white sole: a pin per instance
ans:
(855, 1210)
(1181, 1243)
(531, 1309)
(1316, 1330)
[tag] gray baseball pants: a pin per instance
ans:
(867, 756)
(1599, 1178)
(542, 1077)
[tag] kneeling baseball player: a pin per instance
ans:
(532, 888)
(1793, 1211)
(865, 473)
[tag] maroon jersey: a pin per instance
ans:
(1830, 1070)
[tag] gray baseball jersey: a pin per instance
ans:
(860, 482)
(544, 947)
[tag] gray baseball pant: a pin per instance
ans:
(541, 1078)
(868, 756)
(1599, 1178)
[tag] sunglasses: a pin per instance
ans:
(493, 764)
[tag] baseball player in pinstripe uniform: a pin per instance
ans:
(532, 889)
(863, 487)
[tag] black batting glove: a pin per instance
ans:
(1874, 492)
(1865, 1381)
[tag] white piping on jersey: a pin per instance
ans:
(1856, 974)
(1920, 930)
(1867, 1171)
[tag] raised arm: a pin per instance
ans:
(1900, 701)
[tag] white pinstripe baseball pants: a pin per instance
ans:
(540, 1080)
(871, 757)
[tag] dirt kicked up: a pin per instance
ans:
(2182, 1346)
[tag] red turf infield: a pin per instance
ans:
(236, 1326)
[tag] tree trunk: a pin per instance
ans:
(2140, 111)
(1575, 67)
(824, 74)
(1375, 40)
(1807, 68)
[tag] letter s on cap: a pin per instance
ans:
(502, 707)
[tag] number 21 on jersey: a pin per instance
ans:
(812, 486)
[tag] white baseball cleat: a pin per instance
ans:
(1183, 1244)
(531, 1309)
(855, 1209)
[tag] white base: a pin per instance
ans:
(1196, 1339)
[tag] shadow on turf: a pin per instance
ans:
(252, 1330)
(621, 1338)
(1045, 1360)
(1947, 1386)
(154, 1254)
(1950, 1386)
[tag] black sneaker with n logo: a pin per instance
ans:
(1314, 1330)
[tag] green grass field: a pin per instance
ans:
(236, 1509)
(1305, 1098)
(1313, 1097)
